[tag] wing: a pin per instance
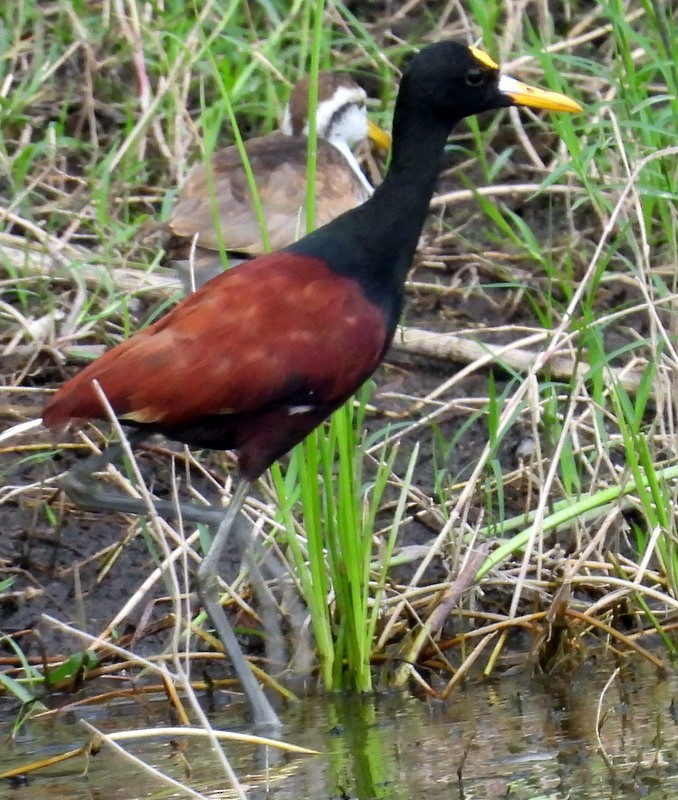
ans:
(279, 166)
(282, 330)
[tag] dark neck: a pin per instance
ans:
(392, 219)
(375, 243)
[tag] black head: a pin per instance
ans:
(450, 80)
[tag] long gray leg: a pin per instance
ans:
(208, 590)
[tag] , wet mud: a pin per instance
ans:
(77, 564)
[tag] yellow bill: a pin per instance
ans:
(381, 138)
(524, 95)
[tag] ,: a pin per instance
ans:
(262, 354)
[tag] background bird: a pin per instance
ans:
(215, 208)
(260, 356)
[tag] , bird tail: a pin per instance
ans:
(75, 401)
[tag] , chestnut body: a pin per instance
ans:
(262, 354)
(265, 352)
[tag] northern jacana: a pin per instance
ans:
(215, 208)
(257, 358)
